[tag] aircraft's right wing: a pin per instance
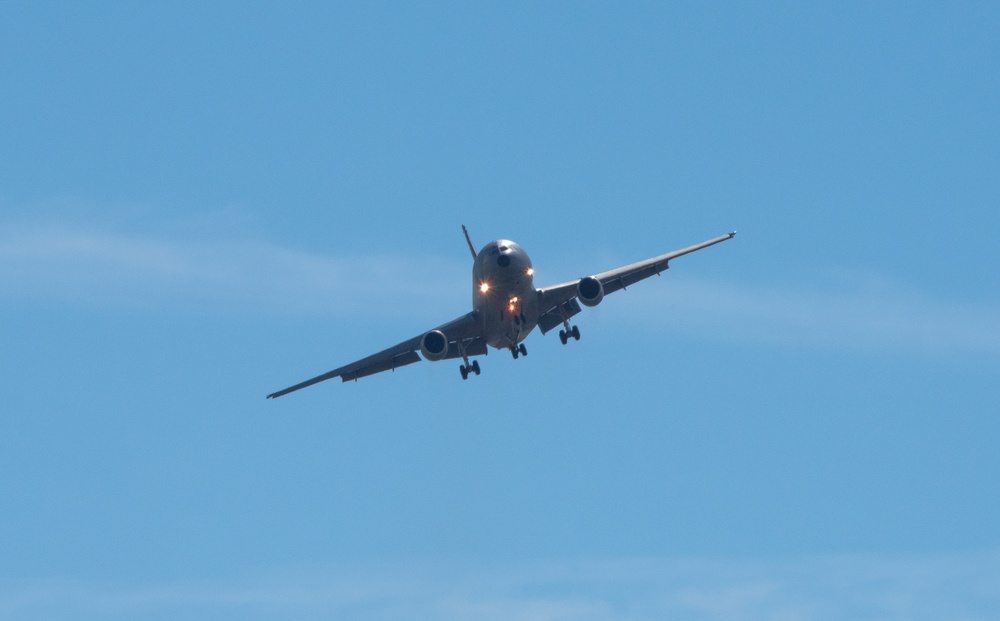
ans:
(559, 302)
(465, 332)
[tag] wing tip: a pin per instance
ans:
(732, 235)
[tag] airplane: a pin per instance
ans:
(506, 307)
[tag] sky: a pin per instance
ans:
(202, 203)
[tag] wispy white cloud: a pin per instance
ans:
(859, 313)
(109, 269)
(105, 269)
(955, 586)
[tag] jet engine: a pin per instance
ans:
(590, 291)
(434, 345)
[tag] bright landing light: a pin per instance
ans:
(484, 287)
(531, 271)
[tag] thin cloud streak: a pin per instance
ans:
(868, 316)
(860, 586)
(107, 270)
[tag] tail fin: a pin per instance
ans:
(472, 248)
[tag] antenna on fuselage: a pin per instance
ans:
(472, 248)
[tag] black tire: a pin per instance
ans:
(464, 371)
(576, 333)
(523, 350)
(562, 336)
(475, 367)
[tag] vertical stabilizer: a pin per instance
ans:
(472, 248)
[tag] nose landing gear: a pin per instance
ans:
(520, 350)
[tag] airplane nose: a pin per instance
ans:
(503, 260)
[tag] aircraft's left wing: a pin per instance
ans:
(559, 302)
(466, 331)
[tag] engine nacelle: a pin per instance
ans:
(589, 291)
(434, 345)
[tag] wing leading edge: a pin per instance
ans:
(464, 332)
(559, 302)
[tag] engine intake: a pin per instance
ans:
(434, 345)
(590, 291)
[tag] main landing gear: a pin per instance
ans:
(465, 369)
(520, 350)
(564, 335)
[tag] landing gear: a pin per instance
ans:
(465, 369)
(564, 335)
(520, 350)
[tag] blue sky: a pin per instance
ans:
(200, 204)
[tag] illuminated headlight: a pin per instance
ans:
(484, 287)
(531, 271)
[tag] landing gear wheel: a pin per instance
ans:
(464, 371)
(523, 350)
(475, 367)
(576, 333)
(562, 336)
(514, 352)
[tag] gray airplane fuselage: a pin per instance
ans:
(503, 292)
